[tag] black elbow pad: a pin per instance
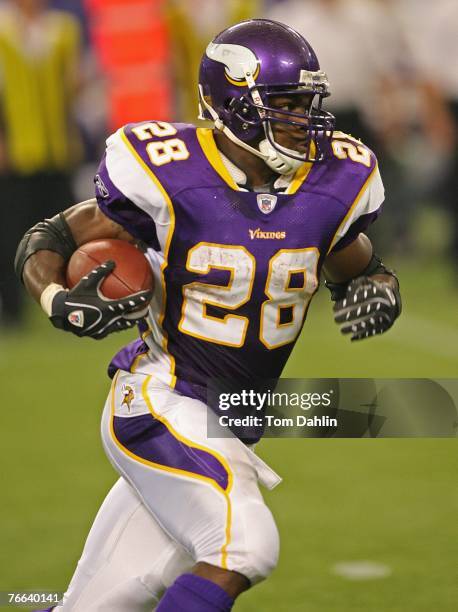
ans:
(49, 235)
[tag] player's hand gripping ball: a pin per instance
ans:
(110, 286)
(369, 307)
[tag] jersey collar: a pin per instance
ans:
(235, 177)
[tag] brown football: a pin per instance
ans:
(132, 273)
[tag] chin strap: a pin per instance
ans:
(277, 161)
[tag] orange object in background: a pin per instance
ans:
(131, 41)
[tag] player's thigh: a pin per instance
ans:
(203, 491)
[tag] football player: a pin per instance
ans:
(238, 222)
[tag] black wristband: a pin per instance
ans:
(374, 267)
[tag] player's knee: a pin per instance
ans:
(263, 544)
(253, 547)
(258, 556)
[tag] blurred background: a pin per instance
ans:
(73, 71)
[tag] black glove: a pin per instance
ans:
(85, 312)
(369, 307)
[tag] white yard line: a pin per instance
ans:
(361, 570)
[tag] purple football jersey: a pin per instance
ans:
(235, 270)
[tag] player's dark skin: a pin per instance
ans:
(87, 222)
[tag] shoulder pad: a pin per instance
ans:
(167, 152)
(347, 147)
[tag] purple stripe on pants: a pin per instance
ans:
(149, 439)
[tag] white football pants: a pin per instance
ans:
(182, 498)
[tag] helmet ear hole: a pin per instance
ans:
(243, 110)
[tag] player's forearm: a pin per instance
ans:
(41, 262)
(41, 270)
(352, 261)
(349, 262)
(45, 249)
(41, 258)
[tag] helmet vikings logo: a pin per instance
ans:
(266, 202)
(128, 396)
(238, 60)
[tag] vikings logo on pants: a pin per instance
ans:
(129, 396)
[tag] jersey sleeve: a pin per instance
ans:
(363, 212)
(129, 195)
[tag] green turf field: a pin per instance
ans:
(393, 502)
